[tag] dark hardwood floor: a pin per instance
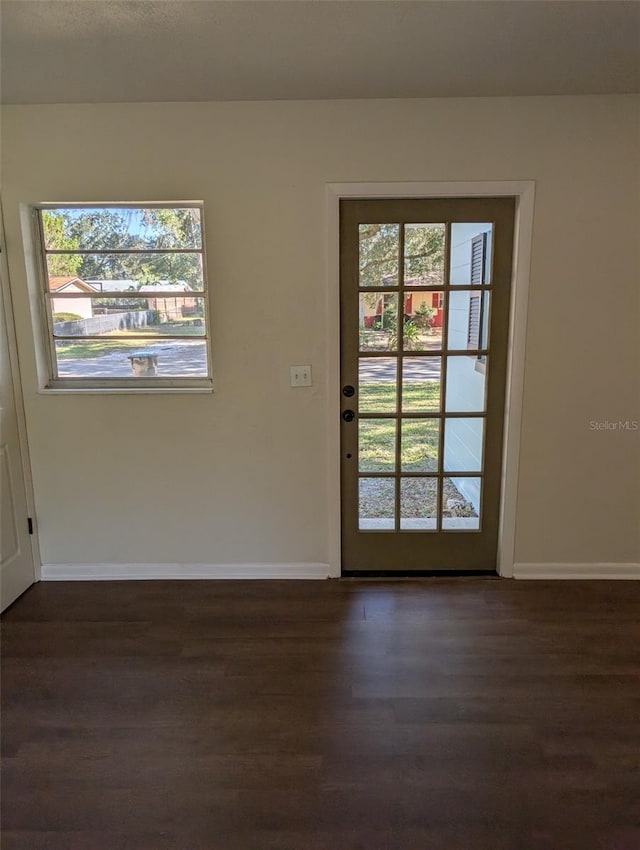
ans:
(468, 714)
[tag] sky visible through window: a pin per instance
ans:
(103, 228)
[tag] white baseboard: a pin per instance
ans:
(608, 572)
(137, 572)
(150, 572)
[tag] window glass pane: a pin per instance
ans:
(466, 384)
(377, 384)
(119, 272)
(106, 228)
(183, 316)
(418, 504)
(463, 444)
(379, 254)
(421, 384)
(468, 320)
(125, 292)
(461, 504)
(423, 321)
(470, 253)
(377, 445)
(378, 321)
(419, 447)
(424, 254)
(131, 358)
(377, 506)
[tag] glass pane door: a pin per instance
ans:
(418, 345)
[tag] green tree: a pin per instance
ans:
(424, 254)
(378, 254)
(101, 229)
(111, 229)
(379, 249)
(174, 228)
(424, 316)
(171, 227)
(56, 238)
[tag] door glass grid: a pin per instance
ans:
(424, 342)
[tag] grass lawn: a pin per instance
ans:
(418, 452)
(419, 445)
(84, 349)
(417, 397)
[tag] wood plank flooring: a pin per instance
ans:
(446, 714)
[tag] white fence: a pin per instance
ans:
(105, 324)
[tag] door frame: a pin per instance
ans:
(18, 397)
(524, 192)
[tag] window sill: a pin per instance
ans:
(206, 387)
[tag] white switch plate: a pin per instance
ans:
(300, 376)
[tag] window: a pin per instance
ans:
(125, 296)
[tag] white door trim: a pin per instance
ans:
(18, 398)
(524, 191)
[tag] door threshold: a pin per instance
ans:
(419, 574)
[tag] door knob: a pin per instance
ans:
(348, 416)
(348, 391)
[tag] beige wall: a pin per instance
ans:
(241, 475)
(80, 306)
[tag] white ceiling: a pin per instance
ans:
(55, 51)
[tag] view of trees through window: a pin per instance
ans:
(125, 229)
(125, 287)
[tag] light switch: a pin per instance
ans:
(300, 376)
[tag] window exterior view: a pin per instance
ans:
(125, 295)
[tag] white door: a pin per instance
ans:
(16, 556)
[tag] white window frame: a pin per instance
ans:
(49, 379)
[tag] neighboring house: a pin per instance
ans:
(82, 307)
(126, 285)
(371, 310)
(170, 309)
(114, 289)
(415, 300)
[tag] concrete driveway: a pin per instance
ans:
(383, 369)
(176, 358)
